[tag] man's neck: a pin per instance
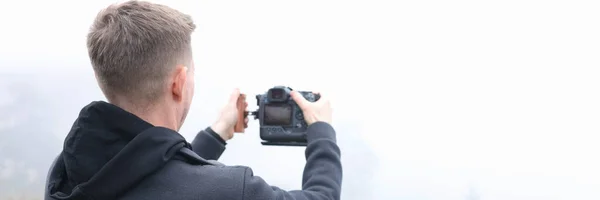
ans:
(156, 114)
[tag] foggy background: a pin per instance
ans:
(458, 100)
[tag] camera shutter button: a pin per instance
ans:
(310, 97)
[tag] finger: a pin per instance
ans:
(234, 96)
(299, 99)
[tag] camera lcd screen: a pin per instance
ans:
(278, 115)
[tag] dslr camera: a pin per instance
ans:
(281, 119)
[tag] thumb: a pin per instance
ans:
(234, 96)
(299, 99)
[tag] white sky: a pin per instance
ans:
(500, 98)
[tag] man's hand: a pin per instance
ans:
(228, 118)
(314, 111)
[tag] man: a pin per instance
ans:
(129, 147)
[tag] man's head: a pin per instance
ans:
(142, 57)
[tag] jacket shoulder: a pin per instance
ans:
(181, 180)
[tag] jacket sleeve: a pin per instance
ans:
(322, 177)
(208, 144)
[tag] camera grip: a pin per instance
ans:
(241, 105)
(310, 96)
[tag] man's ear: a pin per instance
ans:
(178, 84)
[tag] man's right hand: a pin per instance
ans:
(314, 111)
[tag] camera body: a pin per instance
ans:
(281, 119)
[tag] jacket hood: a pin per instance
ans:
(107, 151)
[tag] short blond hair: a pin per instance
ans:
(134, 45)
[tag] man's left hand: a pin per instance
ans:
(228, 118)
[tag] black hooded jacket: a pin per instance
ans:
(112, 154)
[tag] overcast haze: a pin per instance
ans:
(449, 100)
